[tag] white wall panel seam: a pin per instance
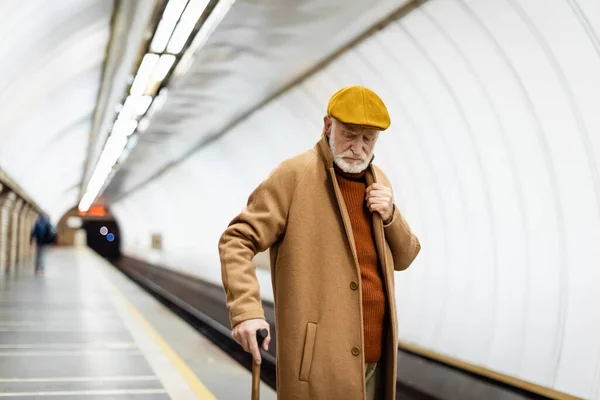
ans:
(438, 132)
(506, 149)
(550, 166)
(482, 171)
(587, 146)
(594, 39)
(584, 21)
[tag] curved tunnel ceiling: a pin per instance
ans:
(49, 80)
(493, 154)
(258, 48)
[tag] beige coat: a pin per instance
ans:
(299, 213)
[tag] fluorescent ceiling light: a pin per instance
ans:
(135, 106)
(123, 127)
(143, 74)
(166, 25)
(207, 28)
(162, 35)
(160, 72)
(142, 104)
(112, 151)
(110, 154)
(173, 10)
(186, 24)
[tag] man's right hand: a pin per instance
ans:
(245, 334)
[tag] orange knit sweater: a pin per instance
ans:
(353, 188)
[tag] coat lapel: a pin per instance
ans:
(345, 216)
(322, 147)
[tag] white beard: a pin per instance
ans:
(350, 168)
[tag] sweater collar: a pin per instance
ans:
(359, 176)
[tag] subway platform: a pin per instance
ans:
(83, 330)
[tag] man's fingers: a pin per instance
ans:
(266, 342)
(375, 207)
(254, 349)
(379, 193)
(378, 203)
(378, 200)
(245, 335)
(376, 186)
(380, 208)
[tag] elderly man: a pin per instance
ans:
(335, 238)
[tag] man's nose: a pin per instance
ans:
(357, 147)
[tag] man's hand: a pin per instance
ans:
(380, 199)
(245, 334)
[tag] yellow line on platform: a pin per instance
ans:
(192, 380)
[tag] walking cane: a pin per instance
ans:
(261, 335)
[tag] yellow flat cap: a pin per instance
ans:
(358, 105)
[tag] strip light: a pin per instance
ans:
(172, 33)
(166, 25)
(186, 25)
(110, 154)
(134, 106)
(161, 70)
(123, 127)
(143, 74)
(207, 29)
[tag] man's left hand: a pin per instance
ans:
(381, 199)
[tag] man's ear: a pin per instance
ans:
(327, 125)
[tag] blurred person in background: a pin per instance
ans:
(43, 234)
(335, 237)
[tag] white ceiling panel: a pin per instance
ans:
(50, 74)
(258, 48)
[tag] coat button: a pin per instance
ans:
(353, 285)
(355, 351)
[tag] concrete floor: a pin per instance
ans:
(84, 330)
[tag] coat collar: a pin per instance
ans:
(323, 149)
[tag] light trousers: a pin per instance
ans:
(373, 382)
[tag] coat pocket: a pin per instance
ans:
(307, 353)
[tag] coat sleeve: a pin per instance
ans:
(258, 226)
(404, 244)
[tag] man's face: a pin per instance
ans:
(352, 147)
